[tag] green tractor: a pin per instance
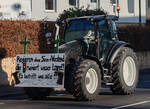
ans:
(93, 55)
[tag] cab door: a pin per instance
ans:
(107, 37)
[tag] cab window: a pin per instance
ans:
(103, 28)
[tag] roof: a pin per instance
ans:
(95, 18)
(92, 18)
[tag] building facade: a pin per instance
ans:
(131, 11)
(15, 9)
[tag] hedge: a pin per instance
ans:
(137, 35)
(12, 32)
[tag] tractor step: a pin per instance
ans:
(107, 80)
(106, 76)
(105, 69)
(109, 84)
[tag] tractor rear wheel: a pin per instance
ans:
(125, 72)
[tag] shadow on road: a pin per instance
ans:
(143, 86)
(80, 105)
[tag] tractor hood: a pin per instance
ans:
(68, 46)
(72, 50)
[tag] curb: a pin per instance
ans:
(6, 90)
(10, 94)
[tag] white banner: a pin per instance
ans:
(40, 70)
(15, 9)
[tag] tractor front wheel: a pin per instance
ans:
(87, 80)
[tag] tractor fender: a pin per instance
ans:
(73, 50)
(115, 49)
(94, 58)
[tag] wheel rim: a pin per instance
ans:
(91, 80)
(129, 71)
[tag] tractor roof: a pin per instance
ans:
(95, 18)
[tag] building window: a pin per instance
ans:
(131, 6)
(93, 4)
(93, 1)
(148, 3)
(50, 4)
(72, 2)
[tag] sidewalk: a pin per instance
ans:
(10, 90)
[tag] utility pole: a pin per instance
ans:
(77, 4)
(98, 4)
(140, 20)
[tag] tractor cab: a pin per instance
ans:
(97, 32)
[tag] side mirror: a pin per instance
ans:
(48, 35)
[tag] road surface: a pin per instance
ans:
(105, 100)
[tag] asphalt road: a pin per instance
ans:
(105, 100)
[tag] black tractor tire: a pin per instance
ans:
(38, 93)
(124, 72)
(69, 70)
(80, 91)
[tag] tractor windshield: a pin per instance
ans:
(77, 29)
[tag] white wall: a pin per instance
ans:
(125, 16)
(107, 6)
(84, 3)
(39, 12)
(8, 10)
(87, 3)
(38, 9)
